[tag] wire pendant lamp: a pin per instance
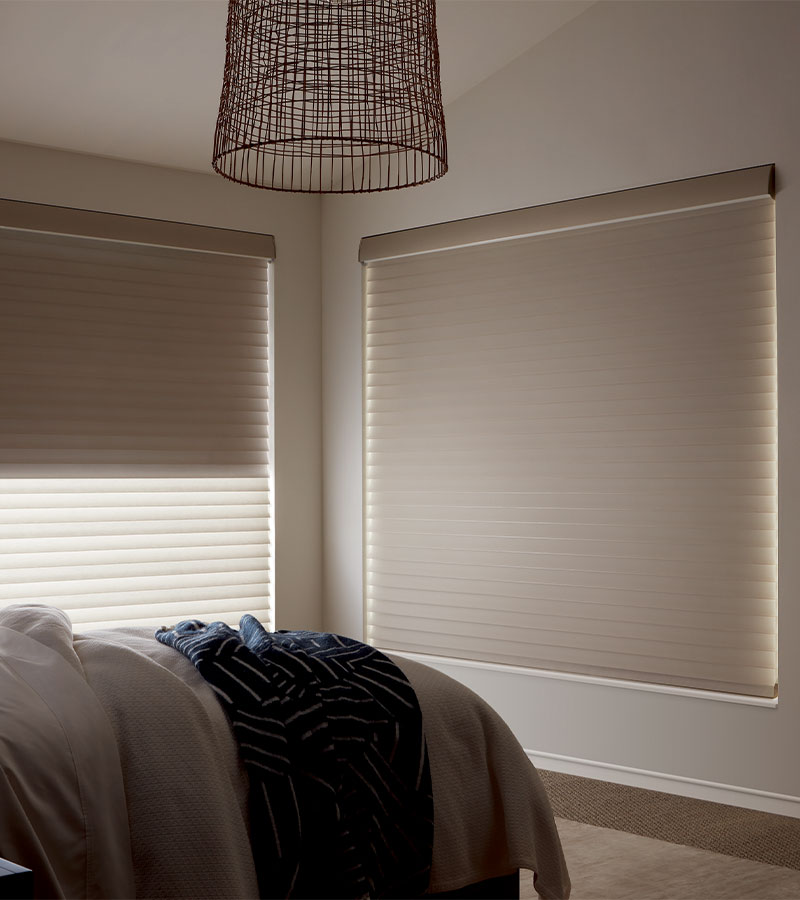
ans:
(331, 96)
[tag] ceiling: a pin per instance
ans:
(140, 79)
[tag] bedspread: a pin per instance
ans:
(120, 777)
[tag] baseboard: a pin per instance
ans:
(748, 798)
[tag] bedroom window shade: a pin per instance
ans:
(570, 436)
(135, 408)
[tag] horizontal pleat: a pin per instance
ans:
(570, 450)
(137, 617)
(571, 505)
(474, 532)
(614, 595)
(100, 587)
(583, 613)
(687, 642)
(391, 545)
(592, 650)
(607, 577)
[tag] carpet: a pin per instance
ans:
(744, 833)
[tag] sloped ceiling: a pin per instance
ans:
(140, 79)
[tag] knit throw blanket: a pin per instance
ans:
(330, 733)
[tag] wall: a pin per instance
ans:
(626, 94)
(39, 175)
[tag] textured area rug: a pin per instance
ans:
(743, 833)
(613, 865)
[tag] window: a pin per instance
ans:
(135, 405)
(570, 436)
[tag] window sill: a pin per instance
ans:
(717, 696)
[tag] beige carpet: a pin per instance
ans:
(743, 833)
(613, 865)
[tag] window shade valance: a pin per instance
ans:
(570, 439)
(655, 199)
(134, 417)
(133, 229)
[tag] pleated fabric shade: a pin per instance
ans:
(339, 96)
(571, 436)
(135, 473)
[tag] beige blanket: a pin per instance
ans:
(119, 776)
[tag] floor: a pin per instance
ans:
(613, 865)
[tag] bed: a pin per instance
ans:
(120, 776)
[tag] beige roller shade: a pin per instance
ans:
(570, 449)
(134, 420)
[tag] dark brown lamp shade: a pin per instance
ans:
(331, 96)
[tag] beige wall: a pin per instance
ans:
(627, 94)
(68, 179)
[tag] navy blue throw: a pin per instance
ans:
(330, 733)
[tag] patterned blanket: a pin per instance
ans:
(331, 735)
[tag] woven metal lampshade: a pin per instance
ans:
(338, 96)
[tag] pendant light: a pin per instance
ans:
(331, 96)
